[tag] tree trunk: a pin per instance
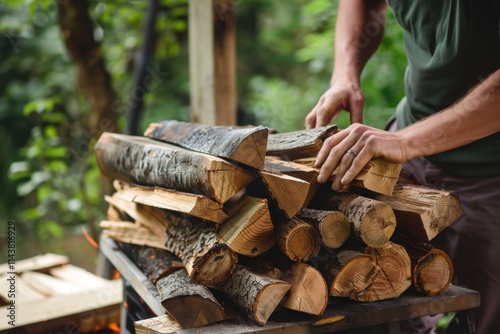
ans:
(243, 145)
(333, 226)
(148, 162)
(190, 304)
(94, 81)
(255, 294)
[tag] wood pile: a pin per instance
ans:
(227, 221)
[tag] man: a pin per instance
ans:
(449, 121)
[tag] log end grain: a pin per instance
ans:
(433, 273)
(214, 268)
(334, 229)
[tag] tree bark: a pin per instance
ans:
(333, 226)
(190, 304)
(255, 294)
(148, 162)
(243, 145)
(373, 222)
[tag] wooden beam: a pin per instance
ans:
(212, 61)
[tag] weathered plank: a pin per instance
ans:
(195, 205)
(299, 144)
(151, 163)
(243, 145)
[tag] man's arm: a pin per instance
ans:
(475, 116)
(358, 32)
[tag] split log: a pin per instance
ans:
(190, 304)
(297, 239)
(422, 212)
(243, 145)
(349, 273)
(249, 231)
(157, 325)
(432, 269)
(373, 222)
(333, 226)
(206, 257)
(394, 276)
(131, 233)
(195, 205)
(299, 144)
(293, 169)
(151, 163)
(378, 175)
(276, 188)
(308, 292)
(153, 262)
(256, 295)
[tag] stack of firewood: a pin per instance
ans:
(234, 216)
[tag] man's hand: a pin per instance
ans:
(337, 98)
(351, 149)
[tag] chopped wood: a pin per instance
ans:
(151, 163)
(378, 175)
(308, 292)
(257, 295)
(190, 304)
(249, 231)
(333, 226)
(373, 222)
(422, 212)
(276, 188)
(131, 233)
(299, 144)
(297, 239)
(196, 205)
(153, 262)
(206, 257)
(349, 273)
(432, 269)
(243, 145)
(394, 276)
(37, 263)
(163, 324)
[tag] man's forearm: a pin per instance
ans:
(475, 116)
(358, 32)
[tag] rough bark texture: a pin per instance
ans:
(299, 144)
(244, 145)
(297, 239)
(333, 226)
(153, 262)
(151, 163)
(190, 304)
(206, 257)
(249, 231)
(373, 222)
(256, 295)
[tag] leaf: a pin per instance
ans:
(48, 228)
(19, 170)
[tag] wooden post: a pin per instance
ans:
(212, 61)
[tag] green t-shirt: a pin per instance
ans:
(451, 46)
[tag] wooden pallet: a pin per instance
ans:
(52, 294)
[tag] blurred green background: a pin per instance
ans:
(49, 178)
